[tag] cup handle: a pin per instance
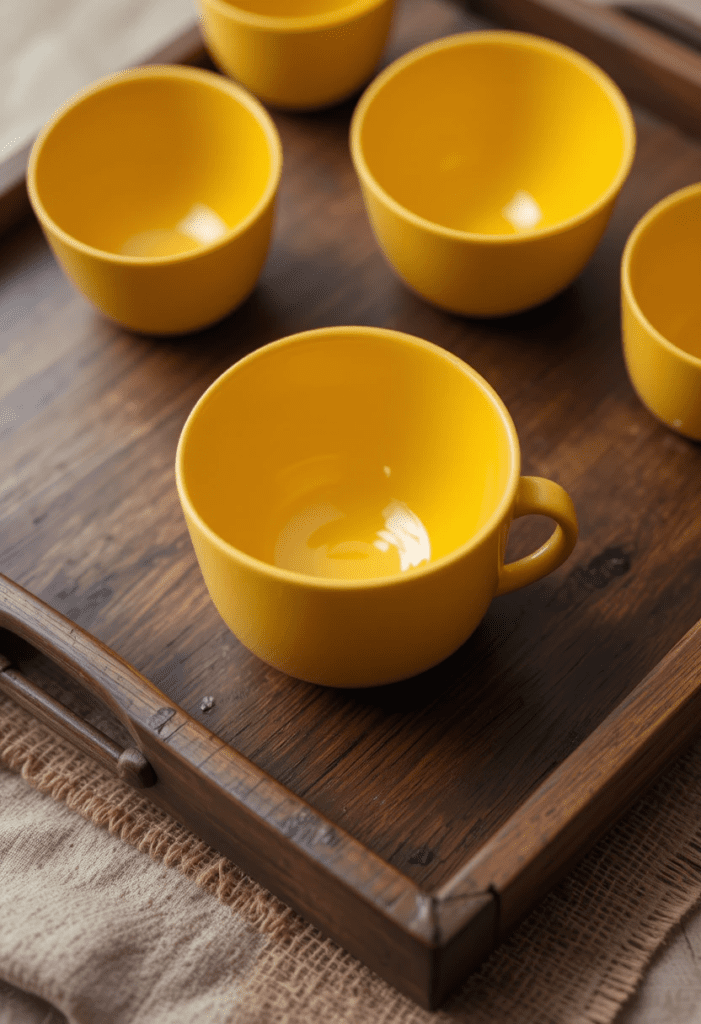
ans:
(537, 496)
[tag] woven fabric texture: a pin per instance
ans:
(127, 917)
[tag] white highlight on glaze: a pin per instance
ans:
(202, 224)
(405, 531)
(322, 536)
(522, 211)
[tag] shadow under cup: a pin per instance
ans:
(348, 493)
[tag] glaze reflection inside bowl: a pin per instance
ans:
(348, 456)
(343, 534)
(200, 226)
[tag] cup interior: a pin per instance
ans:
(495, 133)
(348, 454)
(663, 269)
(154, 163)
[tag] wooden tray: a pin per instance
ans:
(417, 823)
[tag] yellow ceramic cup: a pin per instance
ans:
(348, 492)
(155, 189)
(661, 305)
(489, 164)
(297, 54)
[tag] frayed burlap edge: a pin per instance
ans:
(576, 959)
(585, 948)
(58, 769)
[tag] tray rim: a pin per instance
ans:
(443, 932)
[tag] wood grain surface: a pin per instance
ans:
(426, 774)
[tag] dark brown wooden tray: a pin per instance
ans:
(416, 823)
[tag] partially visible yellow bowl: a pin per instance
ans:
(297, 54)
(156, 190)
(349, 492)
(661, 307)
(489, 164)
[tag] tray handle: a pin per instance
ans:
(86, 661)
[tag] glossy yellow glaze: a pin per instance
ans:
(661, 302)
(297, 54)
(348, 492)
(155, 189)
(489, 164)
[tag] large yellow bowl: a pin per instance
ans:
(348, 492)
(156, 189)
(297, 54)
(661, 305)
(489, 164)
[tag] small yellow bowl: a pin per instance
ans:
(297, 54)
(489, 164)
(156, 190)
(661, 306)
(348, 492)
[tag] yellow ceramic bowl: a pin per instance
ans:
(661, 303)
(155, 189)
(297, 54)
(489, 164)
(348, 492)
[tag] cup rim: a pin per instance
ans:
(295, 23)
(499, 514)
(200, 76)
(676, 198)
(516, 40)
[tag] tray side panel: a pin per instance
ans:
(586, 793)
(334, 881)
(342, 888)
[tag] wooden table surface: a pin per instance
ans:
(90, 418)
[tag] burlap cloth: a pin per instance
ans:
(127, 918)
